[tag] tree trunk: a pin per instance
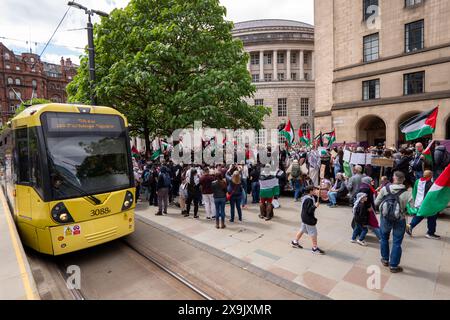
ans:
(147, 142)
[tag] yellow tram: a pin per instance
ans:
(67, 174)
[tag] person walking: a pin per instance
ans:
(235, 193)
(421, 188)
(162, 190)
(392, 201)
(361, 216)
(309, 221)
(206, 181)
(219, 187)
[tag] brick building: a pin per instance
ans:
(25, 76)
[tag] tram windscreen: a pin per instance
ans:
(87, 154)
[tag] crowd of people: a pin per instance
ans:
(314, 176)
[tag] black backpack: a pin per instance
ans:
(390, 208)
(445, 159)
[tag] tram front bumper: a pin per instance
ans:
(77, 236)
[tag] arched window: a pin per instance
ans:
(10, 81)
(11, 95)
(34, 83)
(305, 127)
(7, 56)
(18, 82)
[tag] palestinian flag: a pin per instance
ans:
(438, 197)
(420, 125)
(427, 153)
(331, 137)
(269, 188)
(288, 133)
(163, 146)
(306, 139)
(318, 140)
(134, 152)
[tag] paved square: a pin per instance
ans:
(342, 272)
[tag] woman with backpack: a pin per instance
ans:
(295, 173)
(234, 193)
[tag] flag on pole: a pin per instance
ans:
(134, 152)
(438, 197)
(318, 140)
(420, 125)
(427, 153)
(304, 138)
(159, 148)
(331, 137)
(288, 133)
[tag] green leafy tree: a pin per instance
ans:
(168, 63)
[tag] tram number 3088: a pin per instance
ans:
(100, 212)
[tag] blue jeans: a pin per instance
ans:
(220, 208)
(377, 232)
(361, 231)
(333, 197)
(337, 169)
(297, 188)
(418, 174)
(244, 193)
(431, 223)
(398, 231)
(236, 201)
(255, 192)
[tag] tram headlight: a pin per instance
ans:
(128, 201)
(60, 214)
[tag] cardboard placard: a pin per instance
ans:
(383, 162)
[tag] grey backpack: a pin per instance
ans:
(390, 206)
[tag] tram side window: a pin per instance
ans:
(35, 160)
(23, 172)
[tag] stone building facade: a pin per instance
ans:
(378, 63)
(25, 76)
(282, 68)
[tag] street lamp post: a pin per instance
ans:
(90, 32)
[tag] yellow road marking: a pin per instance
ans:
(20, 259)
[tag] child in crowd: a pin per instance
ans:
(309, 221)
(361, 215)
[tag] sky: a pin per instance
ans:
(33, 21)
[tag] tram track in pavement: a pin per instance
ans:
(114, 270)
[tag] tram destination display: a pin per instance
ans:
(82, 123)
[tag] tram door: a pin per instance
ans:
(22, 172)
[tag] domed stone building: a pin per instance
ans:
(282, 68)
